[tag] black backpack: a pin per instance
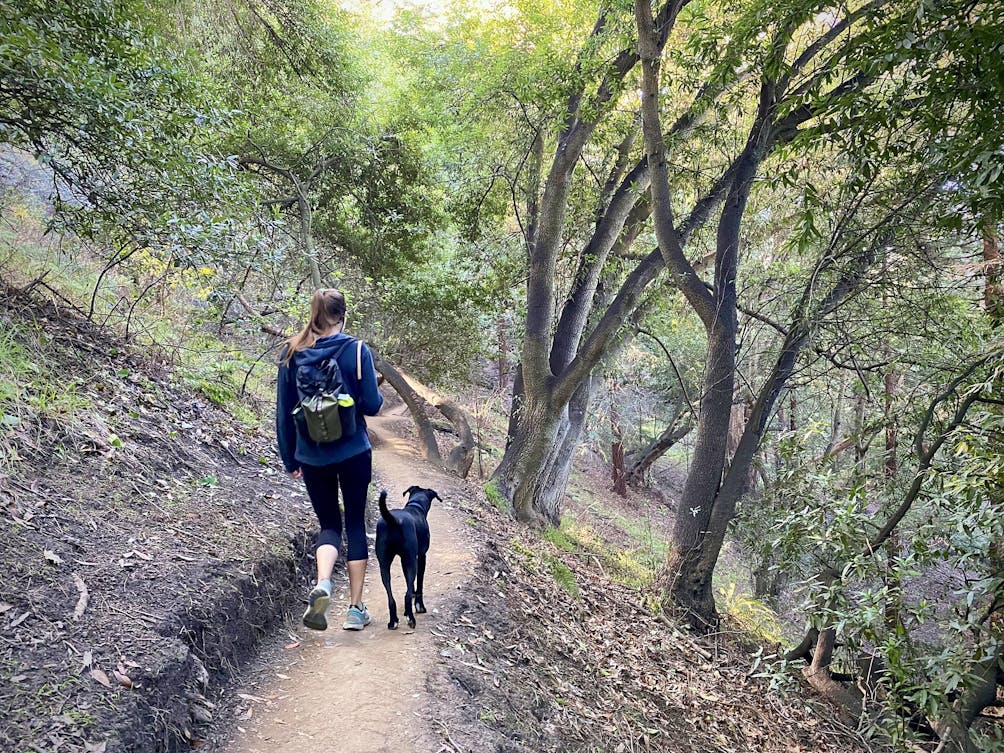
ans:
(327, 408)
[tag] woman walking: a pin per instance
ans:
(325, 466)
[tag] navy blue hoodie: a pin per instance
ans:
(295, 446)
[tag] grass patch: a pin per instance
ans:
(561, 573)
(561, 539)
(635, 567)
(495, 497)
(564, 577)
(29, 387)
(748, 612)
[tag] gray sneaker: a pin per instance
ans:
(357, 618)
(317, 604)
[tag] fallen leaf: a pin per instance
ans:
(87, 659)
(84, 598)
(101, 677)
(95, 747)
(295, 644)
(18, 620)
(4, 606)
(248, 697)
(19, 678)
(142, 555)
(54, 558)
(122, 678)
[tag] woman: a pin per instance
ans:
(346, 462)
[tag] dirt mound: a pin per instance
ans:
(148, 542)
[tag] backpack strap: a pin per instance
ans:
(359, 361)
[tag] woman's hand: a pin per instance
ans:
(296, 474)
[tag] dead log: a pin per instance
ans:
(848, 699)
(416, 406)
(415, 395)
(642, 461)
(270, 329)
(804, 649)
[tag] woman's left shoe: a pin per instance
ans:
(357, 618)
(317, 605)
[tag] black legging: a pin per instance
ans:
(322, 481)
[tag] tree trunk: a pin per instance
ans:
(692, 564)
(307, 239)
(461, 458)
(535, 468)
(640, 462)
(559, 464)
(524, 475)
(993, 291)
(618, 475)
(819, 677)
(980, 691)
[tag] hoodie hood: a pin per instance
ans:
(323, 349)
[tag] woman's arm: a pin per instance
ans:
(285, 428)
(370, 398)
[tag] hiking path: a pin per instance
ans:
(362, 691)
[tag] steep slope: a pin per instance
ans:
(148, 541)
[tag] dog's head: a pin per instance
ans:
(422, 497)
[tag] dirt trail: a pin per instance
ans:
(364, 691)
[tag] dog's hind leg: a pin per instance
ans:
(419, 600)
(408, 566)
(391, 604)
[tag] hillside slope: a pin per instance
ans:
(147, 539)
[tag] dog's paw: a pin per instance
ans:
(411, 622)
(420, 608)
(392, 625)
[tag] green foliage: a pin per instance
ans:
(564, 577)
(561, 538)
(925, 600)
(94, 95)
(750, 614)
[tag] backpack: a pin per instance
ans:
(327, 409)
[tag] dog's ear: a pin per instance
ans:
(433, 494)
(410, 489)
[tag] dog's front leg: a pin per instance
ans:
(419, 600)
(408, 566)
(391, 604)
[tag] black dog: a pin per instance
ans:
(404, 533)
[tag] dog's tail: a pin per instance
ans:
(384, 512)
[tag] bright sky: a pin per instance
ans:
(383, 10)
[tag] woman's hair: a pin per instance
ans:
(327, 308)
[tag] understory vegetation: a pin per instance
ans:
(709, 295)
